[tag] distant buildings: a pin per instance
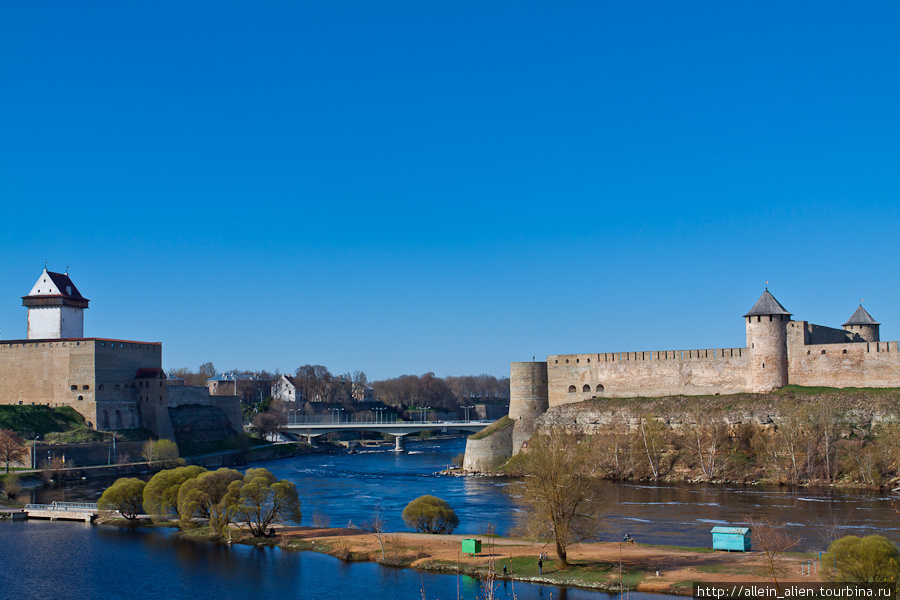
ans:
(248, 388)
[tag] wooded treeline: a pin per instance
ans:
(318, 384)
(809, 444)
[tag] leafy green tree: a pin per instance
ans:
(207, 496)
(261, 500)
(163, 450)
(872, 559)
(161, 492)
(428, 514)
(559, 493)
(125, 496)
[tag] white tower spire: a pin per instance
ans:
(55, 308)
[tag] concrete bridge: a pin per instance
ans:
(69, 511)
(313, 427)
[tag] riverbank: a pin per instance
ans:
(595, 566)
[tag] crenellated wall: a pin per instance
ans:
(658, 373)
(855, 364)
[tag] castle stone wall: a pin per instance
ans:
(767, 349)
(486, 453)
(859, 364)
(93, 376)
(577, 377)
(527, 398)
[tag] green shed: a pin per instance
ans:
(731, 538)
(471, 546)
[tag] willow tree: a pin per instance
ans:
(260, 500)
(559, 491)
(161, 492)
(207, 497)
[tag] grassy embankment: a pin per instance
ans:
(60, 425)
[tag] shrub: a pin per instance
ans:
(427, 514)
(871, 559)
(11, 485)
(165, 451)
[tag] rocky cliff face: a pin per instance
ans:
(194, 423)
(856, 408)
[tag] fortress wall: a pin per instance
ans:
(486, 453)
(44, 372)
(658, 373)
(35, 373)
(801, 333)
(182, 395)
(857, 364)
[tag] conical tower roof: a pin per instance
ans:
(861, 317)
(767, 305)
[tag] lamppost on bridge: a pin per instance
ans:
(379, 414)
(34, 452)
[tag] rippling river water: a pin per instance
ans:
(72, 560)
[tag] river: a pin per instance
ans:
(72, 560)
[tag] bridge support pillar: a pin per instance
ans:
(399, 445)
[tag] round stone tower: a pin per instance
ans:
(767, 344)
(528, 398)
(862, 326)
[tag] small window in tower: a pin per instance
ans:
(567, 360)
(577, 360)
(600, 387)
(823, 352)
(74, 387)
(586, 388)
(101, 386)
(556, 361)
(572, 389)
(844, 351)
(117, 386)
(589, 360)
(85, 387)
(81, 397)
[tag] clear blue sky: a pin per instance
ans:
(402, 187)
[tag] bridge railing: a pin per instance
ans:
(361, 420)
(356, 419)
(64, 506)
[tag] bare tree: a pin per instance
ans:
(774, 541)
(707, 444)
(559, 491)
(12, 448)
(377, 524)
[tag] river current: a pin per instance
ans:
(72, 560)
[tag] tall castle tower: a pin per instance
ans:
(55, 308)
(528, 399)
(862, 324)
(767, 344)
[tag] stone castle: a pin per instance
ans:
(779, 351)
(113, 383)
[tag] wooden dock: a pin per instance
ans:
(66, 511)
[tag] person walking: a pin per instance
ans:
(541, 565)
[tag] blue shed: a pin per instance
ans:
(731, 538)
